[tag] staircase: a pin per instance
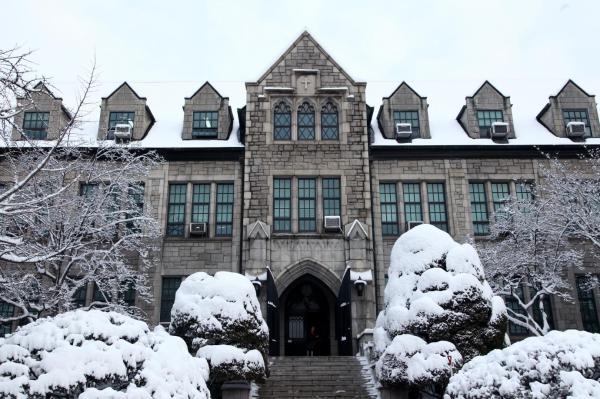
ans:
(319, 377)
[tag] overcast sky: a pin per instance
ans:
(159, 45)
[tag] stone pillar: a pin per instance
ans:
(255, 256)
(236, 390)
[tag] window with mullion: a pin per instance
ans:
(389, 209)
(513, 304)
(486, 118)
(282, 122)
(578, 115)
(115, 118)
(200, 202)
(411, 117)
(6, 310)
(307, 198)
(587, 305)
(500, 194)
(306, 122)
(170, 285)
(282, 204)
(176, 210)
(329, 122)
(413, 212)
(205, 124)
(436, 199)
(136, 194)
(224, 218)
(524, 191)
(79, 296)
(35, 125)
(479, 211)
(331, 196)
(537, 311)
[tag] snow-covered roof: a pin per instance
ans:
(446, 97)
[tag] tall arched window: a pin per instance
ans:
(282, 122)
(306, 122)
(329, 122)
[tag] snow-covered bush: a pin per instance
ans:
(560, 364)
(437, 291)
(95, 354)
(219, 318)
(409, 360)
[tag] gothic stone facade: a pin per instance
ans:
(308, 153)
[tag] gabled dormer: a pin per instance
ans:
(124, 115)
(207, 115)
(487, 114)
(42, 116)
(403, 115)
(571, 113)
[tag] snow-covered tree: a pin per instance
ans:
(71, 213)
(96, 354)
(220, 319)
(528, 250)
(439, 310)
(561, 364)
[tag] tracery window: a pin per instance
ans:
(282, 122)
(306, 122)
(329, 122)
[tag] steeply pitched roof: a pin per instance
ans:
(128, 86)
(207, 83)
(296, 42)
(570, 81)
(487, 82)
(409, 87)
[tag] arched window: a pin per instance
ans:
(282, 122)
(329, 122)
(306, 122)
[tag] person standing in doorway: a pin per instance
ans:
(313, 341)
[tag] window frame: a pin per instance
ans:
(513, 304)
(388, 205)
(224, 207)
(282, 108)
(170, 300)
(442, 224)
(307, 201)
(486, 223)
(282, 201)
(567, 119)
(110, 134)
(7, 310)
(203, 202)
(203, 132)
(485, 129)
(408, 200)
(330, 199)
(39, 130)
(170, 232)
(330, 108)
(306, 110)
(591, 323)
(398, 117)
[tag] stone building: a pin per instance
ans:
(305, 187)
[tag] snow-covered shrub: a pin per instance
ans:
(409, 360)
(95, 354)
(560, 364)
(437, 291)
(215, 314)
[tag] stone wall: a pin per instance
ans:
(207, 98)
(486, 98)
(404, 98)
(124, 99)
(43, 101)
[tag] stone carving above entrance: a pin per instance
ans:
(356, 231)
(259, 230)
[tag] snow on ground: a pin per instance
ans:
(561, 364)
(95, 354)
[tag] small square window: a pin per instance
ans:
(115, 118)
(578, 115)
(205, 124)
(35, 125)
(411, 117)
(485, 119)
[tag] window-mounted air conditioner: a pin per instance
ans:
(332, 223)
(403, 131)
(413, 223)
(123, 130)
(499, 130)
(199, 229)
(575, 129)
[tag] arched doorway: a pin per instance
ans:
(308, 321)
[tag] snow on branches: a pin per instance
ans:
(220, 318)
(560, 364)
(95, 354)
(438, 301)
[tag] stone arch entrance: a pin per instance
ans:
(308, 318)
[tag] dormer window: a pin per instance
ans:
(282, 122)
(578, 115)
(117, 118)
(411, 117)
(306, 122)
(205, 124)
(485, 119)
(35, 125)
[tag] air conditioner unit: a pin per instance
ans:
(413, 223)
(499, 130)
(333, 223)
(575, 129)
(403, 131)
(123, 130)
(199, 229)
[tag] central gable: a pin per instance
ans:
(306, 68)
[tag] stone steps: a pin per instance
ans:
(319, 377)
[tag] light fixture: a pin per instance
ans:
(257, 285)
(360, 285)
